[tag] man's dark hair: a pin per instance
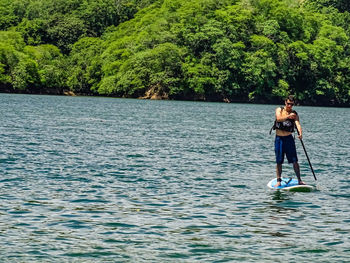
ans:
(290, 98)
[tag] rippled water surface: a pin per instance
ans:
(113, 180)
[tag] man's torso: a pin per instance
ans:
(279, 132)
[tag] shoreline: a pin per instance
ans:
(224, 101)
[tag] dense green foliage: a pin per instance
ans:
(217, 50)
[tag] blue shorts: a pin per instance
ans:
(285, 145)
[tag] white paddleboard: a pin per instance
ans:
(290, 185)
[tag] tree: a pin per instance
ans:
(156, 70)
(50, 71)
(64, 31)
(85, 63)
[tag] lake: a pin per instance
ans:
(91, 179)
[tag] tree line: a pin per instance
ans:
(214, 50)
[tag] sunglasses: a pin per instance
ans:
(290, 104)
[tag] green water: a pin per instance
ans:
(113, 180)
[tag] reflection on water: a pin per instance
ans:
(280, 196)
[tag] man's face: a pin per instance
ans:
(289, 104)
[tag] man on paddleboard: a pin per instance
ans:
(286, 120)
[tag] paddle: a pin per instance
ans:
(307, 156)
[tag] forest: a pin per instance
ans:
(256, 51)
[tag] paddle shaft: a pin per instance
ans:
(307, 156)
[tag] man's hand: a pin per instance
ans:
(292, 116)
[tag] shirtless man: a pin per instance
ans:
(286, 120)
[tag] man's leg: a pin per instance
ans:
(297, 172)
(278, 174)
(279, 159)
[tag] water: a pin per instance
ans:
(114, 180)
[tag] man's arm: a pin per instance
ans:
(280, 118)
(300, 130)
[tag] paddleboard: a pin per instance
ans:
(290, 185)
